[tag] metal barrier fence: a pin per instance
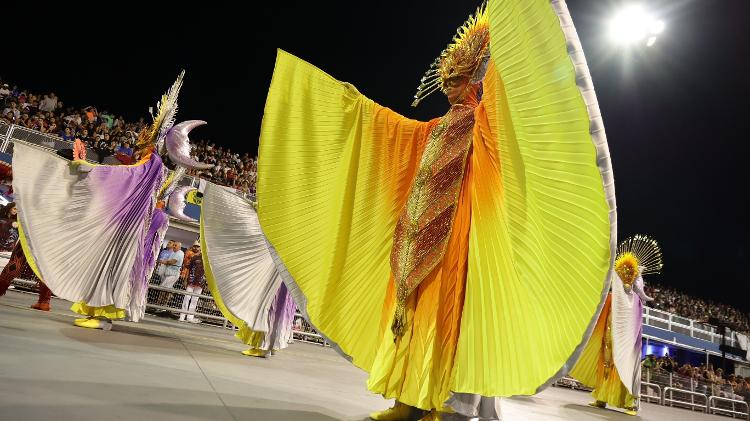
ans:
(729, 407)
(168, 302)
(15, 132)
(647, 389)
(673, 390)
(674, 323)
(685, 398)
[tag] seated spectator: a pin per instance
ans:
(50, 127)
(13, 108)
(124, 154)
(68, 135)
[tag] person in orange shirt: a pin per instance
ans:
(192, 251)
(91, 114)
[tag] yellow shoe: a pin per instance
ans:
(93, 324)
(598, 404)
(399, 412)
(252, 352)
(631, 411)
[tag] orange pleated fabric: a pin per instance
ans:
(417, 369)
(596, 367)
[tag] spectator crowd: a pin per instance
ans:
(108, 134)
(703, 379)
(673, 301)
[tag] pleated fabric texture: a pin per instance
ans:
(589, 369)
(240, 271)
(85, 230)
(417, 369)
(543, 233)
(157, 229)
(335, 168)
(334, 171)
(597, 369)
(280, 321)
(627, 333)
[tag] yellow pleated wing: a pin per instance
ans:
(543, 228)
(334, 171)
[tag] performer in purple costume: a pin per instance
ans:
(241, 273)
(89, 230)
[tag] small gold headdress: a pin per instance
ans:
(635, 251)
(467, 55)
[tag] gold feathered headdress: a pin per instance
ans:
(638, 250)
(164, 118)
(466, 56)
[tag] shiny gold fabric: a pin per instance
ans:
(424, 226)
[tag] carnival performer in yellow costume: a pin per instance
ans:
(456, 260)
(611, 361)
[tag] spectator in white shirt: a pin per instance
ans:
(13, 108)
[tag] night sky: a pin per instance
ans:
(674, 113)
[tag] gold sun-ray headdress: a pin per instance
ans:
(467, 55)
(638, 250)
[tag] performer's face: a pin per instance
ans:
(454, 88)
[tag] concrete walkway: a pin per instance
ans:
(164, 370)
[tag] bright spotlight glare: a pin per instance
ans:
(632, 25)
(657, 26)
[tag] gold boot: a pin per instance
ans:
(631, 411)
(399, 412)
(253, 352)
(598, 404)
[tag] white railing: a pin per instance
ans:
(734, 402)
(668, 395)
(692, 394)
(647, 396)
(678, 324)
(172, 303)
